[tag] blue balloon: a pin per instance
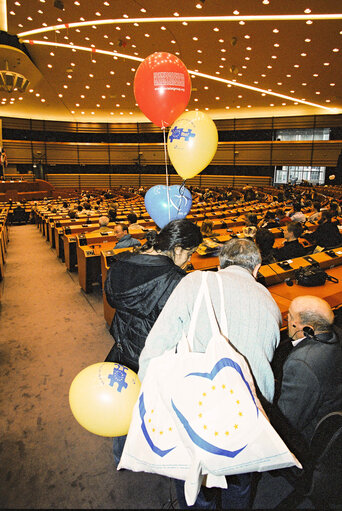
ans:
(165, 203)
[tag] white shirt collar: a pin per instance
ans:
(294, 343)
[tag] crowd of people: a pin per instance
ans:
(298, 380)
(154, 300)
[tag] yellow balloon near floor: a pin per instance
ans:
(102, 397)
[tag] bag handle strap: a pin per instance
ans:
(202, 290)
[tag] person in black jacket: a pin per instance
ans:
(138, 286)
(327, 234)
(311, 380)
(291, 248)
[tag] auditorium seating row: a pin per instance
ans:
(4, 239)
(83, 248)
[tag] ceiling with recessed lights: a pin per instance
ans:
(246, 58)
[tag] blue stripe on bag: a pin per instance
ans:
(203, 444)
(221, 364)
(155, 449)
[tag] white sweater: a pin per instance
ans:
(253, 321)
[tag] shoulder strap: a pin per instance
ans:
(214, 324)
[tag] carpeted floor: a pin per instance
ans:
(49, 331)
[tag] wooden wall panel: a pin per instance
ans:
(323, 153)
(231, 124)
(84, 181)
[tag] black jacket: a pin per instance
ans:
(137, 286)
(326, 235)
(289, 250)
(311, 387)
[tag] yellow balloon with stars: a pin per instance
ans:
(192, 143)
(102, 397)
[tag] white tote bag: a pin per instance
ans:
(198, 415)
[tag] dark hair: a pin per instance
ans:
(297, 207)
(295, 228)
(252, 218)
(317, 205)
(112, 214)
(326, 216)
(86, 206)
(123, 226)
(65, 204)
(270, 215)
(132, 218)
(79, 208)
(264, 240)
(72, 213)
(177, 233)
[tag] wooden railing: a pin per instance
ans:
(103, 181)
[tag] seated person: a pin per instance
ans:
(296, 214)
(311, 379)
(125, 240)
(132, 223)
(291, 248)
(112, 214)
(269, 221)
(103, 223)
(314, 217)
(264, 240)
(282, 217)
(250, 227)
(207, 228)
(327, 234)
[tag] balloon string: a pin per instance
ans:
(166, 174)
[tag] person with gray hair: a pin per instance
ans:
(253, 317)
(103, 224)
(311, 380)
(253, 322)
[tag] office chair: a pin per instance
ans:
(321, 479)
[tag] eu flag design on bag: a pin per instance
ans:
(229, 437)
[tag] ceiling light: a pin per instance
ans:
(221, 40)
(195, 38)
(142, 9)
(309, 22)
(11, 80)
(163, 28)
(335, 50)
(307, 11)
(332, 85)
(236, 12)
(275, 30)
(247, 36)
(241, 23)
(288, 76)
(176, 14)
(315, 75)
(217, 30)
(185, 23)
(276, 45)
(326, 64)
(303, 54)
(199, 6)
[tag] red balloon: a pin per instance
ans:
(162, 88)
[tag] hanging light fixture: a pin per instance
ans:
(11, 81)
